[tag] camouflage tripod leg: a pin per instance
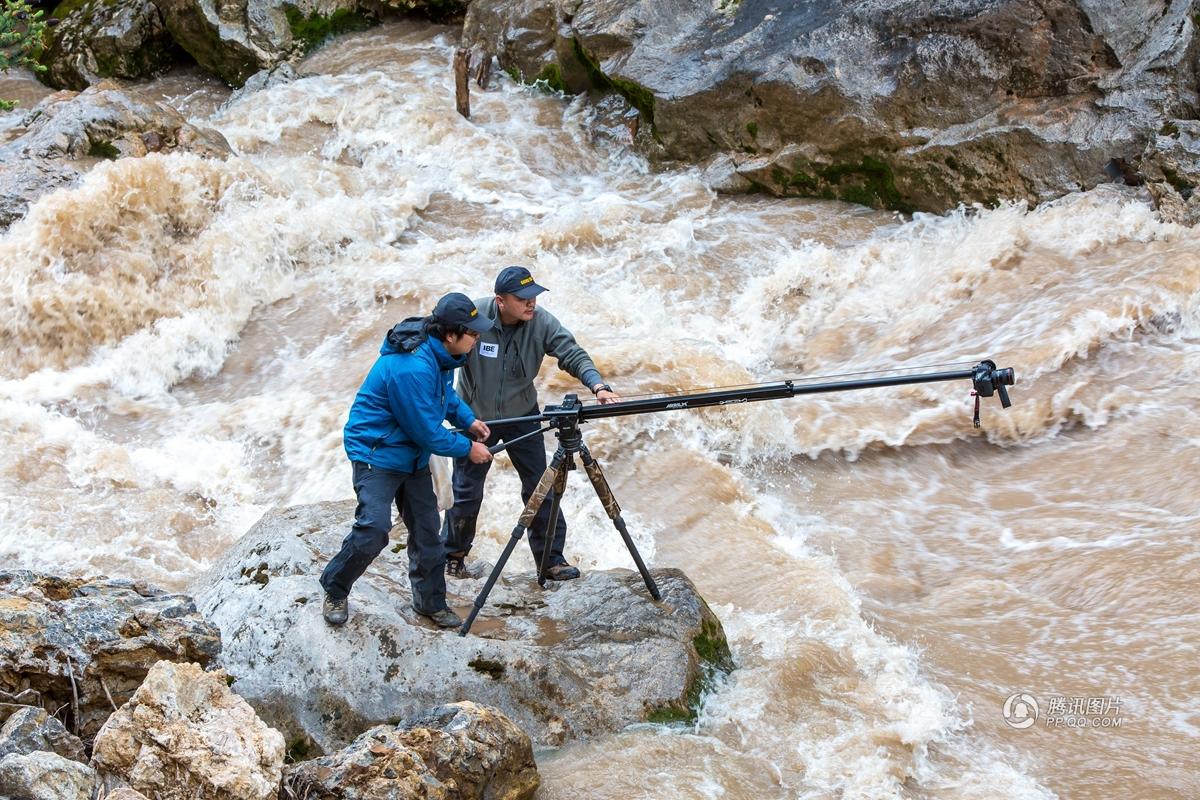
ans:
(613, 509)
(556, 467)
(560, 486)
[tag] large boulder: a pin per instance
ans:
(45, 776)
(577, 659)
(109, 121)
(184, 734)
(920, 104)
(84, 645)
(107, 39)
(69, 130)
(460, 751)
(31, 729)
(235, 39)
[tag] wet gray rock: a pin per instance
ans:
(24, 180)
(68, 131)
(1171, 168)
(578, 659)
(30, 729)
(919, 104)
(108, 39)
(45, 776)
(235, 39)
(86, 644)
(264, 79)
(109, 121)
(461, 750)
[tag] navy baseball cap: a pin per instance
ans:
(457, 309)
(518, 281)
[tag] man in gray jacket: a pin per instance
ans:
(497, 383)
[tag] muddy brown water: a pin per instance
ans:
(182, 340)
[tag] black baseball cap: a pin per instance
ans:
(457, 309)
(518, 281)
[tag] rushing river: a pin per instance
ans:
(182, 340)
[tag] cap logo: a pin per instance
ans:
(527, 280)
(474, 312)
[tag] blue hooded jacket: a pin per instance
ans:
(396, 420)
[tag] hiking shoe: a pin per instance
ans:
(336, 612)
(562, 572)
(456, 567)
(443, 619)
(459, 568)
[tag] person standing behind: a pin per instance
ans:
(497, 382)
(394, 426)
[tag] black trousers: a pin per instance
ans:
(412, 492)
(529, 457)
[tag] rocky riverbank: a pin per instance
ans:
(921, 105)
(111, 686)
(918, 105)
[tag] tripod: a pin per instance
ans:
(570, 443)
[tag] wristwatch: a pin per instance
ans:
(604, 387)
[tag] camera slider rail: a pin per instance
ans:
(564, 419)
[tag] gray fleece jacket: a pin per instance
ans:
(497, 381)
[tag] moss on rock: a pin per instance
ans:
(68, 7)
(314, 29)
(552, 77)
(638, 96)
(104, 149)
(869, 181)
(714, 660)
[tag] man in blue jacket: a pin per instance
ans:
(394, 426)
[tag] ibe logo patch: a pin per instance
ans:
(489, 349)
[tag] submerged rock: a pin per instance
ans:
(266, 79)
(84, 645)
(30, 729)
(920, 104)
(24, 180)
(105, 121)
(462, 751)
(577, 659)
(184, 734)
(45, 776)
(108, 39)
